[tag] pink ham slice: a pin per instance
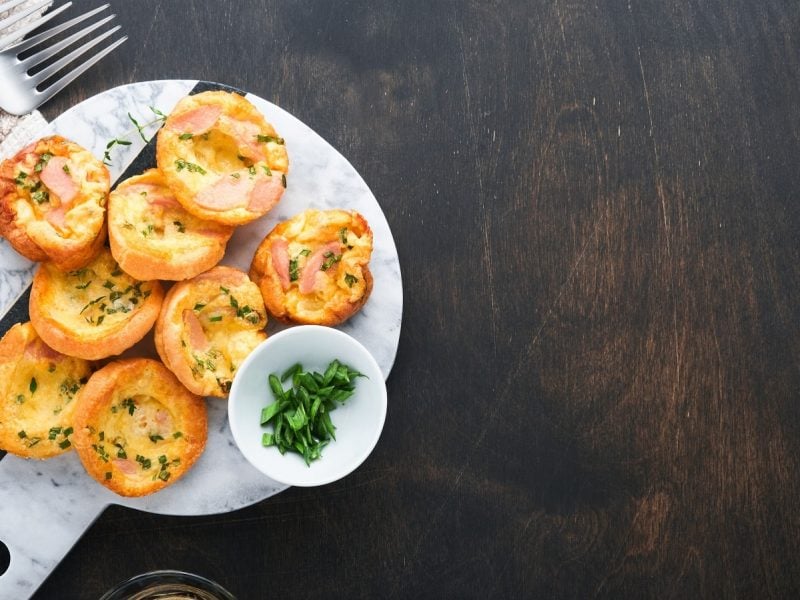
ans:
(57, 217)
(308, 279)
(155, 195)
(126, 465)
(246, 135)
(266, 193)
(38, 350)
(224, 276)
(197, 337)
(58, 180)
(164, 202)
(196, 121)
(280, 261)
(226, 194)
(257, 195)
(163, 419)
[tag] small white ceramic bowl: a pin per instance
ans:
(359, 421)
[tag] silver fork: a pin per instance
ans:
(19, 93)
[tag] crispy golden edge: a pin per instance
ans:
(263, 273)
(168, 335)
(12, 350)
(138, 262)
(66, 255)
(72, 343)
(232, 104)
(128, 374)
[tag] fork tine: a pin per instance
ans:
(50, 51)
(58, 85)
(11, 19)
(64, 61)
(46, 35)
(23, 31)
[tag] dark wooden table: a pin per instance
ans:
(596, 208)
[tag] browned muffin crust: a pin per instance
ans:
(94, 312)
(53, 195)
(314, 267)
(137, 429)
(38, 387)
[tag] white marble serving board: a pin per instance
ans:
(45, 506)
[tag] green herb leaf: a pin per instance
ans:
(300, 415)
(270, 138)
(181, 164)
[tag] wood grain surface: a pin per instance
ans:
(596, 210)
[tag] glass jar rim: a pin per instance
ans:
(166, 581)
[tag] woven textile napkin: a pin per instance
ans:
(15, 132)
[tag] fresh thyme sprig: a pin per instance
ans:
(138, 128)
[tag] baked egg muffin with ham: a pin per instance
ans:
(38, 387)
(136, 428)
(314, 268)
(222, 159)
(207, 327)
(153, 236)
(53, 196)
(93, 312)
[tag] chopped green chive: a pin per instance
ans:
(270, 138)
(181, 164)
(300, 415)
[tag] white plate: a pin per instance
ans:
(45, 506)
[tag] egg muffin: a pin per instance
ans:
(152, 236)
(137, 429)
(93, 312)
(314, 268)
(53, 196)
(207, 327)
(37, 391)
(221, 158)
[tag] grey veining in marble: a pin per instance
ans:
(45, 506)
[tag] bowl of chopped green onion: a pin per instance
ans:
(307, 406)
